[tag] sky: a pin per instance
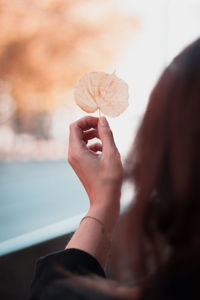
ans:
(166, 28)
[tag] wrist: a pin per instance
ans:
(105, 204)
(105, 194)
(107, 213)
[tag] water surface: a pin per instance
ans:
(37, 194)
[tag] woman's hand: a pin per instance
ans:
(98, 166)
(100, 170)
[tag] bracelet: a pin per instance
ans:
(103, 229)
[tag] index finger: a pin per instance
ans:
(77, 128)
(87, 122)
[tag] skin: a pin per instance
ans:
(99, 168)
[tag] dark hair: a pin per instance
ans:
(163, 221)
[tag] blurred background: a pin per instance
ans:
(45, 46)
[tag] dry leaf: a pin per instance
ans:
(106, 92)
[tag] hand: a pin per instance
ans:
(98, 166)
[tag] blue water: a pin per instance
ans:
(37, 194)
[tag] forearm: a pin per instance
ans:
(93, 237)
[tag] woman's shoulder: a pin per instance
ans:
(53, 270)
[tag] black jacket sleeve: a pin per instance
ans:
(72, 260)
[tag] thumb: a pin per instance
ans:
(106, 135)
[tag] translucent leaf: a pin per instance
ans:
(106, 92)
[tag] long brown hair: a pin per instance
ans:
(164, 165)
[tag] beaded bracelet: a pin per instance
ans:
(103, 229)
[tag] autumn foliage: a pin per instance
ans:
(46, 45)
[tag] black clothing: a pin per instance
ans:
(51, 280)
(48, 275)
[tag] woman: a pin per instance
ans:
(160, 232)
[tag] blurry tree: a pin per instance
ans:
(46, 45)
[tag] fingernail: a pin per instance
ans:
(103, 121)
